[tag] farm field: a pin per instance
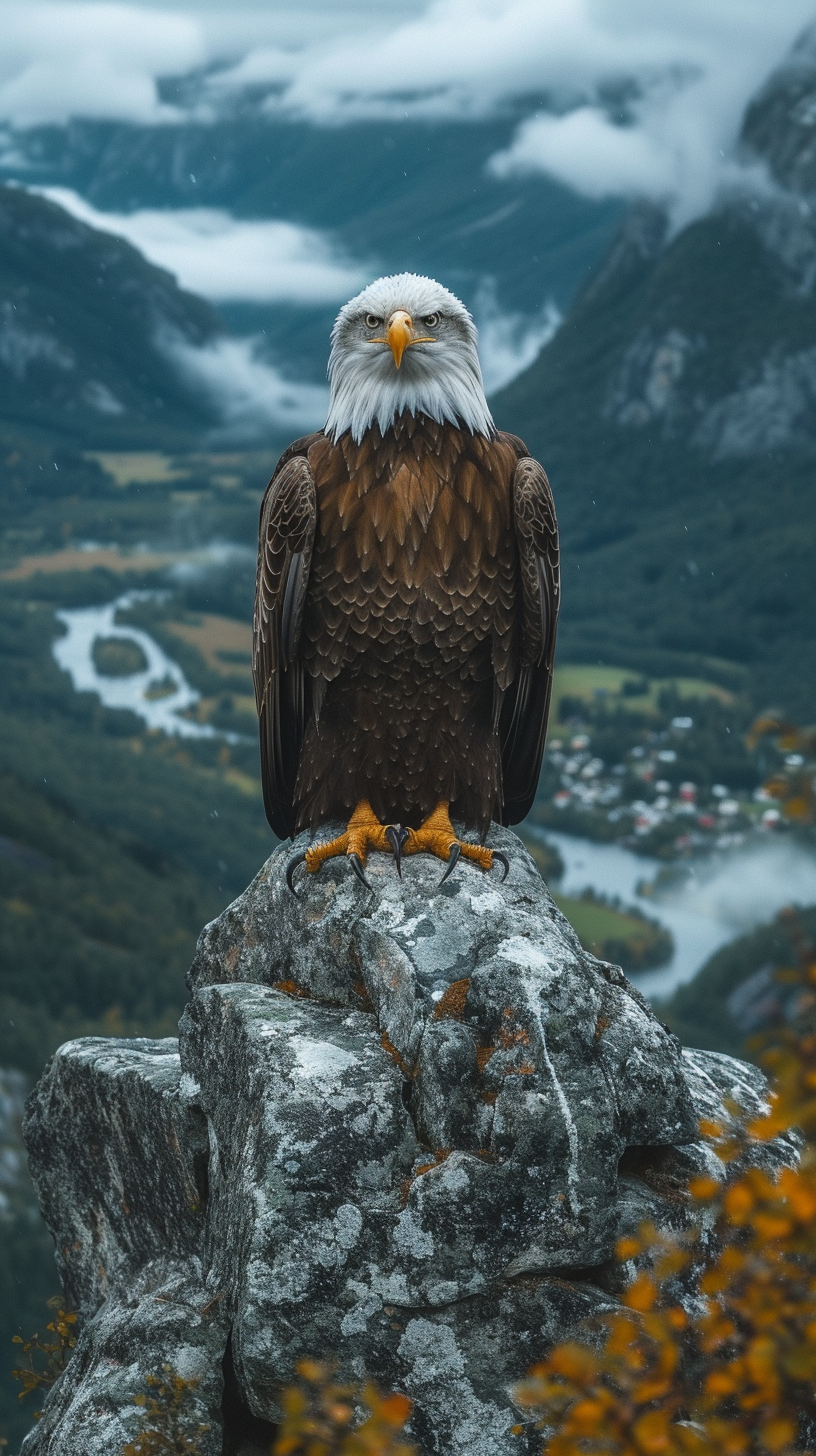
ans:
(614, 935)
(625, 689)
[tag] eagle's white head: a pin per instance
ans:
(405, 343)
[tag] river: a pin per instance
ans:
(724, 896)
(160, 694)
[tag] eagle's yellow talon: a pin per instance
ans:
(438, 836)
(364, 833)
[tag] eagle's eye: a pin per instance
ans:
(431, 320)
(372, 321)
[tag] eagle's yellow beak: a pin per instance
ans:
(400, 334)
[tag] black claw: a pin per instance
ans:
(455, 851)
(396, 836)
(357, 865)
(504, 862)
(298, 859)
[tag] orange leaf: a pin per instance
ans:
(651, 1431)
(778, 1433)
(573, 1362)
(395, 1409)
(704, 1188)
(642, 1294)
(709, 1128)
(721, 1382)
(627, 1249)
(770, 1227)
(738, 1202)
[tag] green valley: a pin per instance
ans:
(674, 409)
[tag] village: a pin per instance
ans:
(643, 799)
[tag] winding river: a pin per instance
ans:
(723, 898)
(159, 694)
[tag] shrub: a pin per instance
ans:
(734, 1369)
(320, 1418)
(172, 1427)
(46, 1359)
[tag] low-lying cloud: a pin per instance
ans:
(248, 392)
(509, 342)
(675, 144)
(641, 99)
(64, 60)
(222, 259)
(753, 886)
(584, 149)
(225, 258)
(251, 395)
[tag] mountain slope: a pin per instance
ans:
(395, 196)
(409, 195)
(676, 413)
(87, 328)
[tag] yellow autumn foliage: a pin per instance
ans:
(732, 1371)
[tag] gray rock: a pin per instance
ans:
(165, 1324)
(310, 1144)
(773, 408)
(646, 385)
(118, 1158)
(12, 1099)
(779, 122)
(426, 1116)
(528, 1061)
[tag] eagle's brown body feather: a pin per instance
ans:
(405, 626)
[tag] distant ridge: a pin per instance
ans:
(676, 413)
(82, 317)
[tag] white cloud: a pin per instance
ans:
(468, 56)
(677, 146)
(509, 342)
(66, 58)
(224, 258)
(586, 151)
(250, 394)
(690, 67)
(63, 60)
(693, 65)
(272, 262)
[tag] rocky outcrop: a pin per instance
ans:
(779, 123)
(119, 1202)
(12, 1099)
(402, 1128)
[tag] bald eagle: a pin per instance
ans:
(407, 597)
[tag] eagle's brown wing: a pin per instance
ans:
(286, 537)
(526, 705)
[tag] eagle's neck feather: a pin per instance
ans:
(362, 396)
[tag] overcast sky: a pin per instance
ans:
(696, 63)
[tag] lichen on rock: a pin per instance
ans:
(403, 1128)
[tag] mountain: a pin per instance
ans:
(394, 196)
(90, 334)
(780, 120)
(676, 413)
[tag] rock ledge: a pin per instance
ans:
(404, 1128)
